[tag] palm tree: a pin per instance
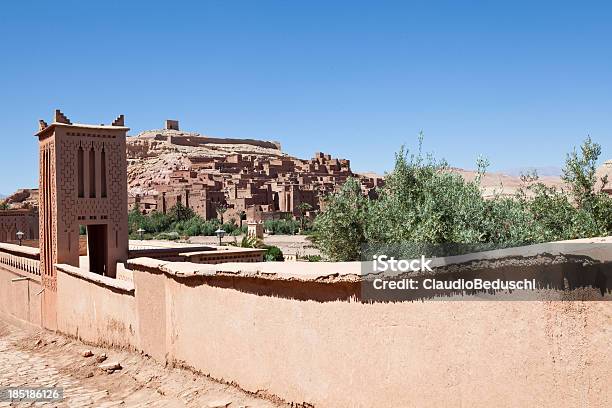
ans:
(303, 208)
(221, 209)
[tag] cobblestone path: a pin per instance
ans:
(36, 358)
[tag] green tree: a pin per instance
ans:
(424, 202)
(180, 213)
(594, 215)
(282, 226)
(341, 229)
(303, 208)
(221, 209)
(579, 171)
(136, 219)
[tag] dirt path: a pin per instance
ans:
(36, 358)
(289, 244)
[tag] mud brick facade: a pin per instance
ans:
(273, 185)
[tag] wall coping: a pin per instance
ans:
(124, 286)
(596, 248)
(267, 270)
(28, 252)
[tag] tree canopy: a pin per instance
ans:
(422, 201)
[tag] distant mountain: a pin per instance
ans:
(544, 171)
(2, 196)
(502, 183)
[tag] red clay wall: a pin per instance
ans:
(96, 312)
(19, 299)
(343, 354)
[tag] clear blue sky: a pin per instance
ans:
(518, 82)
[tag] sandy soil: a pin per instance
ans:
(289, 244)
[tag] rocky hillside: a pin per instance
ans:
(23, 198)
(153, 154)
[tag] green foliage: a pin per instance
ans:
(170, 236)
(312, 258)
(273, 254)
(180, 213)
(424, 202)
(221, 209)
(180, 220)
(282, 226)
(250, 242)
(579, 171)
(4, 205)
(341, 228)
(303, 208)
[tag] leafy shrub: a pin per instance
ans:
(282, 226)
(170, 236)
(273, 253)
(250, 242)
(313, 258)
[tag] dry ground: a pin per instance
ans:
(289, 244)
(36, 358)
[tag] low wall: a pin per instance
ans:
(306, 338)
(20, 297)
(342, 354)
(95, 308)
(20, 286)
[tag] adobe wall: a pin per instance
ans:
(19, 299)
(345, 354)
(20, 287)
(12, 221)
(196, 141)
(303, 339)
(96, 309)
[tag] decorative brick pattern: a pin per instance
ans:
(105, 202)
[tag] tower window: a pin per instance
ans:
(92, 173)
(81, 172)
(103, 173)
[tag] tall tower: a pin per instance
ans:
(83, 186)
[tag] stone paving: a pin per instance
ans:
(36, 358)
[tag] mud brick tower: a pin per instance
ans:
(83, 185)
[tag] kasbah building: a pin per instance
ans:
(262, 183)
(301, 332)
